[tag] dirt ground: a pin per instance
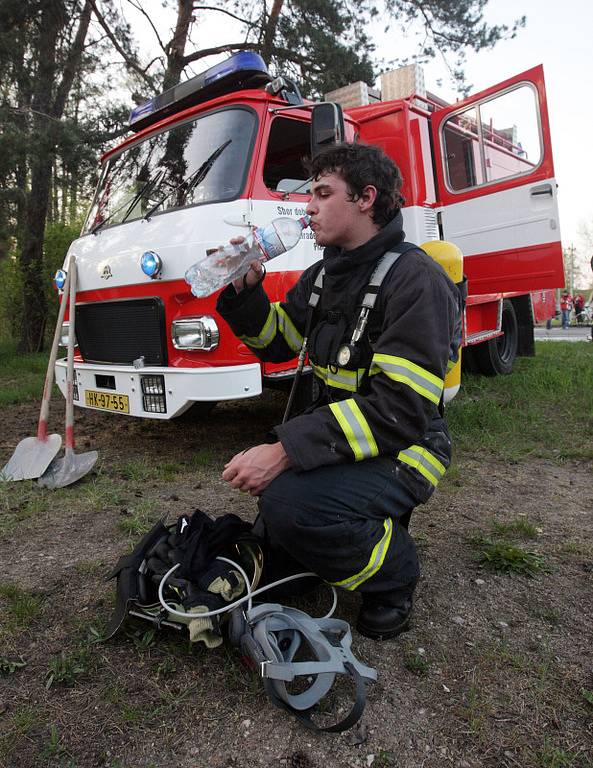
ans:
(495, 671)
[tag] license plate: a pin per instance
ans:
(107, 401)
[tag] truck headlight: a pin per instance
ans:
(195, 333)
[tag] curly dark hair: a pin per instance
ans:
(360, 165)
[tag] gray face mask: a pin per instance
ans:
(270, 636)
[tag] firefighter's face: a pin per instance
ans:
(336, 218)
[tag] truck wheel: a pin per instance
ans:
(498, 355)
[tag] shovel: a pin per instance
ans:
(33, 455)
(73, 466)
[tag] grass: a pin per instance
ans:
(20, 501)
(139, 519)
(138, 470)
(521, 527)
(504, 557)
(25, 500)
(54, 747)
(417, 664)
(537, 411)
(10, 666)
(21, 376)
(66, 669)
(551, 756)
(22, 606)
(201, 458)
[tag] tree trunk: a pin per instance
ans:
(31, 257)
(176, 48)
(43, 142)
(270, 31)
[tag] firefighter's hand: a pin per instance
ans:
(253, 470)
(256, 271)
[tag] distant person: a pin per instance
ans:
(579, 307)
(566, 308)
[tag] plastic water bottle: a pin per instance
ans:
(232, 261)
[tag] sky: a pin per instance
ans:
(557, 35)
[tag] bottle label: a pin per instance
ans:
(268, 241)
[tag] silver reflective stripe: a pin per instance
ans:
(415, 375)
(428, 465)
(343, 379)
(355, 428)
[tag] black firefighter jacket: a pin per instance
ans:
(388, 404)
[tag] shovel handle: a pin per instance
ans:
(49, 376)
(70, 367)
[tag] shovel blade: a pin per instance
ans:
(31, 458)
(68, 470)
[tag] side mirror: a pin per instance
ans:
(327, 126)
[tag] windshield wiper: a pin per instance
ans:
(193, 179)
(150, 184)
(147, 186)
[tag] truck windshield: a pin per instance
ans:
(201, 161)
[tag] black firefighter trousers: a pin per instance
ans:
(344, 523)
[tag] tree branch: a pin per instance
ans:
(219, 49)
(139, 7)
(133, 65)
(223, 10)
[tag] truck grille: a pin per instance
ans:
(122, 331)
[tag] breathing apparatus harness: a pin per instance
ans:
(348, 354)
(271, 637)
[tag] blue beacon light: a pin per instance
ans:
(60, 279)
(151, 264)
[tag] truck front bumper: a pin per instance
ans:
(157, 393)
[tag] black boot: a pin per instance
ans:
(382, 617)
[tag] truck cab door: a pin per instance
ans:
(497, 195)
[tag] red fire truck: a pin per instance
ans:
(223, 152)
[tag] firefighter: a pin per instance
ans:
(337, 488)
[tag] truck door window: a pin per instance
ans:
(462, 150)
(288, 144)
(510, 128)
(200, 161)
(496, 139)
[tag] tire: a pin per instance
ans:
(497, 356)
(468, 360)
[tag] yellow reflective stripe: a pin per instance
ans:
(341, 378)
(356, 429)
(419, 379)
(451, 364)
(428, 465)
(266, 335)
(375, 562)
(286, 327)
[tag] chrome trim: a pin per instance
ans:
(210, 330)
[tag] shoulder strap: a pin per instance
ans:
(383, 266)
(316, 292)
(313, 301)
